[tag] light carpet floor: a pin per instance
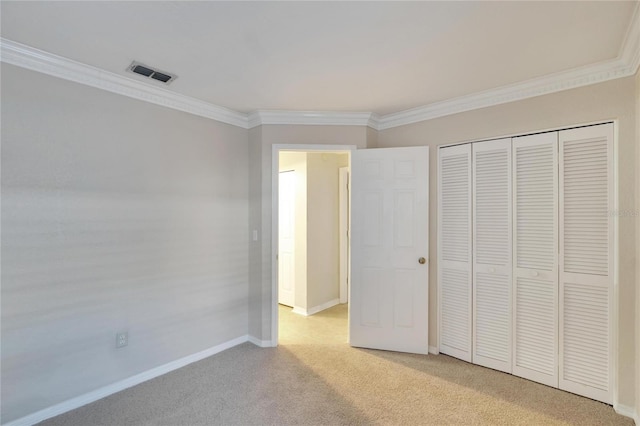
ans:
(314, 377)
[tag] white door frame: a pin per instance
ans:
(344, 233)
(275, 162)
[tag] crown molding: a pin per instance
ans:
(319, 118)
(630, 49)
(626, 64)
(28, 57)
(552, 83)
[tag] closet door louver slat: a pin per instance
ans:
(586, 260)
(454, 248)
(492, 267)
(535, 244)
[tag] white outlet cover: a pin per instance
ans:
(122, 339)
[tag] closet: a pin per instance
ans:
(525, 244)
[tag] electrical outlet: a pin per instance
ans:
(122, 339)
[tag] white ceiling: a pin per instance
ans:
(381, 57)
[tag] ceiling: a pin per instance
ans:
(380, 57)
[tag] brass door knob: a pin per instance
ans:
(422, 261)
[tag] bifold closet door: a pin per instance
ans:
(586, 260)
(454, 250)
(535, 251)
(492, 267)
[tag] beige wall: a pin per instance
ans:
(314, 135)
(372, 138)
(610, 100)
(323, 227)
(256, 270)
(117, 215)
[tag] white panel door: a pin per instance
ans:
(389, 294)
(492, 267)
(286, 237)
(586, 260)
(535, 244)
(454, 250)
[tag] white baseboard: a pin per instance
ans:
(261, 343)
(87, 398)
(299, 311)
(315, 309)
(625, 410)
(434, 350)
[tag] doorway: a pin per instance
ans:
(389, 214)
(311, 195)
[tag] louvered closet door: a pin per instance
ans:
(535, 251)
(492, 267)
(586, 260)
(454, 248)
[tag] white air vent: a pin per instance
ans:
(149, 72)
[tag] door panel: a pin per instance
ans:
(586, 261)
(492, 268)
(454, 248)
(389, 211)
(535, 231)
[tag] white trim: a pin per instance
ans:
(259, 343)
(27, 57)
(318, 118)
(299, 311)
(630, 49)
(433, 350)
(275, 171)
(614, 327)
(625, 410)
(87, 398)
(315, 309)
(533, 132)
(343, 205)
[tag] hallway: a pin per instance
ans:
(328, 326)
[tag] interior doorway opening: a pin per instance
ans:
(311, 237)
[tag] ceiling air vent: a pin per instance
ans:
(138, 68)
